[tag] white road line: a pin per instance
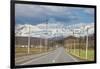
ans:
(72, 57)
(33, 60)
(23, 59)
(36, 59)
(54, 60)
(30, 57)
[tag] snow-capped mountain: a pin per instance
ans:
(51, 30)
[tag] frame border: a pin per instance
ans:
(12, 34)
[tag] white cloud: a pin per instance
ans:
(41, 10)
(89, 11)
(53, 29)
(28, 10)
(39, 13)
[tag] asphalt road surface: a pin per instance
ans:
(57, 56)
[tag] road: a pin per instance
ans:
(57, 56)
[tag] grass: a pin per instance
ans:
(82, 55)
(22, 51)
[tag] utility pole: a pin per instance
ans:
(78, 40)
(56, 38)
(74, 42)
(87, 43)
(73, 32)
(79, 45)
(40, 44)
(29, 39)
(46, 38)
(87, 29)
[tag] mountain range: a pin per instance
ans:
(52, 30)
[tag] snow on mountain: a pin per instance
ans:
(50, 30)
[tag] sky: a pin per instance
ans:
(37, 14)
(60, 20)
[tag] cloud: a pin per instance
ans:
(90, 11)
(39, 13)
(51, 30)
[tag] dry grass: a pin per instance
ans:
(22, 51)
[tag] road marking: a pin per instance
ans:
(57, 51)
(37, 58)
(72, 57)
(54, 60)
(28, 57)
(34, 60)
(23, 59)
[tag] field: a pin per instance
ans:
(22, 51)
(82, 54)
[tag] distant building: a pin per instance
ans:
(78, 42)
